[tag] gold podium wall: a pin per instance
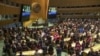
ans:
(41, 14)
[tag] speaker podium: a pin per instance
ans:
(39, 10)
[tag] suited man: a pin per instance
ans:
(58, 50)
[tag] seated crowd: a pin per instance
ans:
(19, 39)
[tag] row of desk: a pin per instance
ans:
(32, 52)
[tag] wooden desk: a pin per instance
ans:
(26, 53)
(66, 39)
(30, 53)
(95, 48)
(73, 44)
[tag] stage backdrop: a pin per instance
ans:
(39, 10)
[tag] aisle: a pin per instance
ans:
(1, 47)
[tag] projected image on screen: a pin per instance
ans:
(52, 12)
(25, 12)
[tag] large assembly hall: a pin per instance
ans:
(49, 27)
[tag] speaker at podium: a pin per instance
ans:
(39, 21)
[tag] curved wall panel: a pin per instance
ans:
(78, 16)
(74, 2)
(75, 10)
(8, 10)
(5, 9)
(22, 1)
(71, 6)
(5, 22)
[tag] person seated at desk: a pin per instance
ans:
(84, 44)
(24, 47)
(14, 48)
(78, 48)
(19, 47)
(92, 53)
(20, 53)
(88, 41)
(70, 49)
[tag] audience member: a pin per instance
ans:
(18, 39)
